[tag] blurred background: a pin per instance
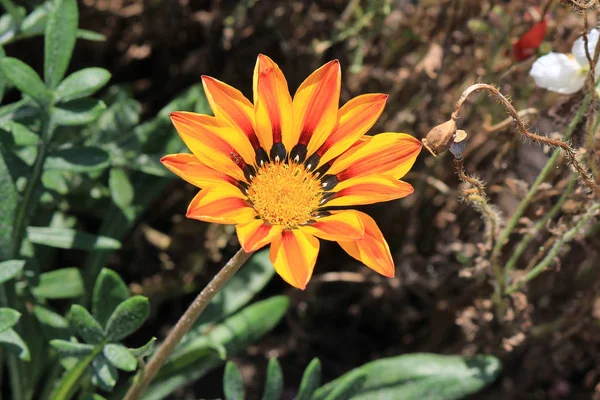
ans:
(423, 54)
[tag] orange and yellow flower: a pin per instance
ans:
(280, 169)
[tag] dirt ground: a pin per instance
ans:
(423, 54)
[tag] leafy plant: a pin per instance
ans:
(411, 376)
(115, 315)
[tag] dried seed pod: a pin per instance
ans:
(439, 139)
(458, 144)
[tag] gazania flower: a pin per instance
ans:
(280, 169)
(565, 73)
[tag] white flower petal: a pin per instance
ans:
(557, 72)
(578, 48)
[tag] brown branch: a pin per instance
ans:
(569, 152)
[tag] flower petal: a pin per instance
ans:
(188, 167)
(272, 104)
(558, 72)
(368, 190)
(390, 154)
(256, 234)
(315, 107)
(214, 142)
(294, 255)
(372, 250)
(340, 225)
(223, 204)
(356, 117)
(228, 103)
(578, 48)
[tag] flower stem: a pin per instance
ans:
(539, 225)
(545, 263)
(185, 323)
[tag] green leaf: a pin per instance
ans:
(64, 238)
(77, 112)
(121, 189)
(2, 78)
(311, 379)
(12, 342)
(90, 35)
(78, 159)
(420, 376)
(59, 40)
(127, 318)
(274, 383)
(11, 268)
(24, 78)
(63, 283)
(67, 349)
(92, 396)
(20, 135)
(49, 318)
(8, 318)
(347, 388)
(145, 350)
(235, 334)
(85, 325)
(233, 384)
(104, 373)
(55, 180)
(35, 23)
(67, 385)
(120, 357)
(8, 208)
(150, 165)
(109, 292)
(82, 83)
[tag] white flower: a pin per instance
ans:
(565, 73)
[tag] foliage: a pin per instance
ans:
(411, 376)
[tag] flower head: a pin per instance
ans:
(565, 73)
(281, 168)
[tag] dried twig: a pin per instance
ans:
(569, 152)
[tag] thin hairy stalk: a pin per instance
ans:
(591, 87)
(547, 261)
(185, 323)
(569, 152)
(479, 201)
(512, 222)
(539, 225)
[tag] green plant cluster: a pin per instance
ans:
(66, 155)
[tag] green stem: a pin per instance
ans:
(70, 381)
(184, 324)
(512, 222)
(22, 217)
(28, 202)
(522, 246)
(545, 263)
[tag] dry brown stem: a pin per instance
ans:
(569, 152)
